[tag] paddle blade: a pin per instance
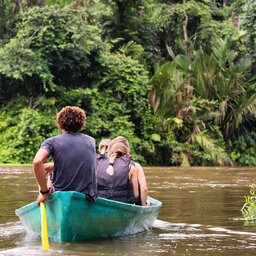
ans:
(45, 241)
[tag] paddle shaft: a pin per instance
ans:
(44, 235)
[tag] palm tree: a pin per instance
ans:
(223, 77)
(167, 84)
(186, 119)
(191, 95)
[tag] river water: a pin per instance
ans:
(200, 215)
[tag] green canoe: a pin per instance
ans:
(71, 218)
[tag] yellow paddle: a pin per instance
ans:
(44, 234)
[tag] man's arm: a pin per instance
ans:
(39, 171)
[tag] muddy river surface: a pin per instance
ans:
(200, 215)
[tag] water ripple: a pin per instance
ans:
(10, 229)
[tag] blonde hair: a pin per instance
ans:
(116, 150)
(103, 146)
(120, 139)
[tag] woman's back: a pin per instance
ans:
(116, 187)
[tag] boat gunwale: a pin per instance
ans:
(100, 201)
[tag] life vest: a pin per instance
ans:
(117, 187)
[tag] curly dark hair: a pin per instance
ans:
(71, 119)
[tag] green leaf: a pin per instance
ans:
(155, 137)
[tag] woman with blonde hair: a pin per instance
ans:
(103, 146)
(143, 189)
(117, 179)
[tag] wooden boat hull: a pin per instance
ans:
(71, 218)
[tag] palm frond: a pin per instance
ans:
(166, 83)
(131, 48)
(216, 153)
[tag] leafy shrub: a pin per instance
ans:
(22, 132)
(243, 148)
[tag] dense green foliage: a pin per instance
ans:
(177, 78)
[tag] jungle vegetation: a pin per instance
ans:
(176, 77)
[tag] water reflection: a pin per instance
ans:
(200, 206)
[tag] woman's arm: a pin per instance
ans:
(143, 185)
(133, 175)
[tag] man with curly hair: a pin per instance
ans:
(73, 155)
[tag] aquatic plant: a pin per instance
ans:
(249, 208)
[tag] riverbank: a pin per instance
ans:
(17, 164)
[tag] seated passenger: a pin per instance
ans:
(143, 189)
(103, 146)
(73, 155)
(116, 178)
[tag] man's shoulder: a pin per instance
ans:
(88, 137)
(49, 143)
(53, 138)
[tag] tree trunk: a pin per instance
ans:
(185, 23)
(20, 5)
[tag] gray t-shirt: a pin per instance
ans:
(74, 163)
